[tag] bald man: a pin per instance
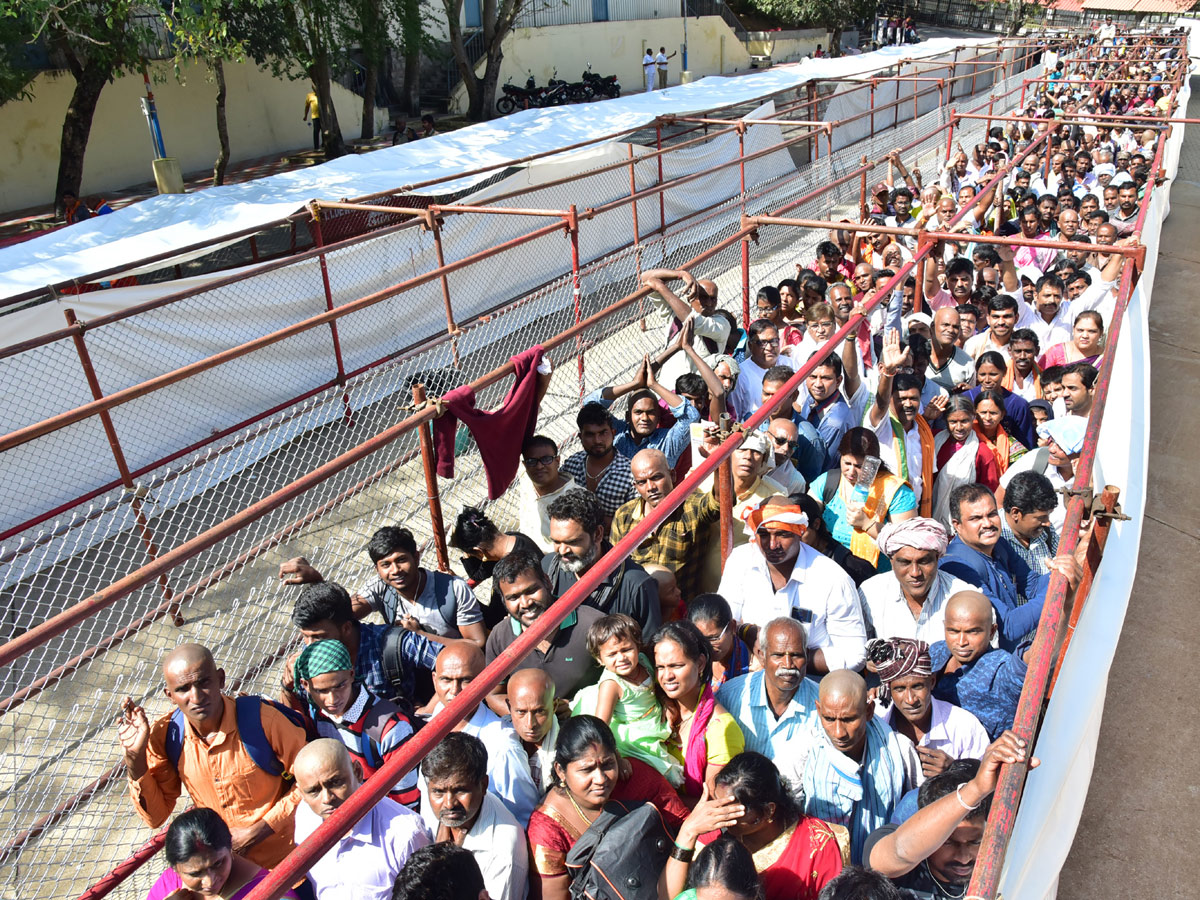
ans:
(970, 672)
(858, 768)
(950, 366)
(198, 747)
(363, 864)
(531, 715)
(678, 543)
(460, 663)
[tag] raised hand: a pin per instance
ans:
(133, 733)
(936, 408)
(893, 358)
(299, 570)
(1008, 748)
(710, 815)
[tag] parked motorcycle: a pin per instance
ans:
(601, 85)
(519, 98)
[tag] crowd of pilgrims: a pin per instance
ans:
(823, 715)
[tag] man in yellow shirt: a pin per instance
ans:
(312, 109)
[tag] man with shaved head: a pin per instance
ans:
(460, 663)
(531, 715)
(858, 768)
(970, 673)
(678, 543)
(774, 704)
(696, 301)
(950, 366)
(230, 756)
(363, 864)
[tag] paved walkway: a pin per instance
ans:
(1138, 834)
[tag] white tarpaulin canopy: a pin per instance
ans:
(163, 223)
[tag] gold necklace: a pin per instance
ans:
(578, 808)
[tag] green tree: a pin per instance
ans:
(202, 33)
(835, 15)
(497, 18)
(295, 39)
(96, 41)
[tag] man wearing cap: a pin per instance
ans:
(879, 200)
(941, 731)
(909, 601)
(777, 574)
(371, 729)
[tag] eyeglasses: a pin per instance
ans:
(783, 442)
(766, 309)
(531, 461)
(715, 639)
(772, 342)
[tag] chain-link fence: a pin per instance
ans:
(312, 401)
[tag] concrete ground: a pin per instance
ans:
(1138, 833)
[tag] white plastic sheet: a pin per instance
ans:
(164, 223)
(1056, 791)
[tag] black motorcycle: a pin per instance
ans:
(519, 98)
(601, 85)
(561, 92)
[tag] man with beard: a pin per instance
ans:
(910, 600)
(577, 532)
(933, 853)
(598, 467)
(527, 594)
(680, 542)
(780, 575)
(460, 810)
(764, 354)
(905, 438)
(365, 862)
(458, 665)
(1124, 217)
(858, 769)
(773, 705)
(980, 558)
(941, 731)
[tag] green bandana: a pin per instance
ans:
(320, 658)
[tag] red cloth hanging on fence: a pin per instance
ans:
(498, 433)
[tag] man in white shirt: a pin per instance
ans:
(541, 486)
(905, 438)
(661, 63)
(649, 68)
(531, 715)
(780, 575)
(363, 864)
(458, 665)
(910, 600)
(697, 303)
(465, 813)
(764, 354)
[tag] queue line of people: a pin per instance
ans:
(824, 713)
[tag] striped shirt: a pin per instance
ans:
(786, 741)
(615, 485)
(1038, 553)
(859, 795)
(371, 730)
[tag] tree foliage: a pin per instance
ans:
(497, 18)
(835, 15)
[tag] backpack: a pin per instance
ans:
(601, 865)
(250, 729)
(832, 479)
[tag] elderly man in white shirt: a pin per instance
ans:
(910, 600)
(697, 301)
(363, 864)
(459, 808)
(779, 575)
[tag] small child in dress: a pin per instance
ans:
(624, 696)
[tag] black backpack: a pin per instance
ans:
(621, 855)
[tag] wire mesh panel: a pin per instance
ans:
(309, 399)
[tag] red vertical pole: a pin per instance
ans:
(1024, 84)
(576, 289)
(432, 494)
(746, 282)
(637, 238)
(318, 238)
(662, 213)
(863, 207)
(950, 137)
(114, 443)
(872, 107)
(812, 117)
(433, 222)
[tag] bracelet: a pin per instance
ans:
(683, 854)
(962, 802)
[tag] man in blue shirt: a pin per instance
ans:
(641, 427)
(978, 556)
(822, 407)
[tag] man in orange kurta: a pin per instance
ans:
(215, 768)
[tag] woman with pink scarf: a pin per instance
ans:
(704, 736)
